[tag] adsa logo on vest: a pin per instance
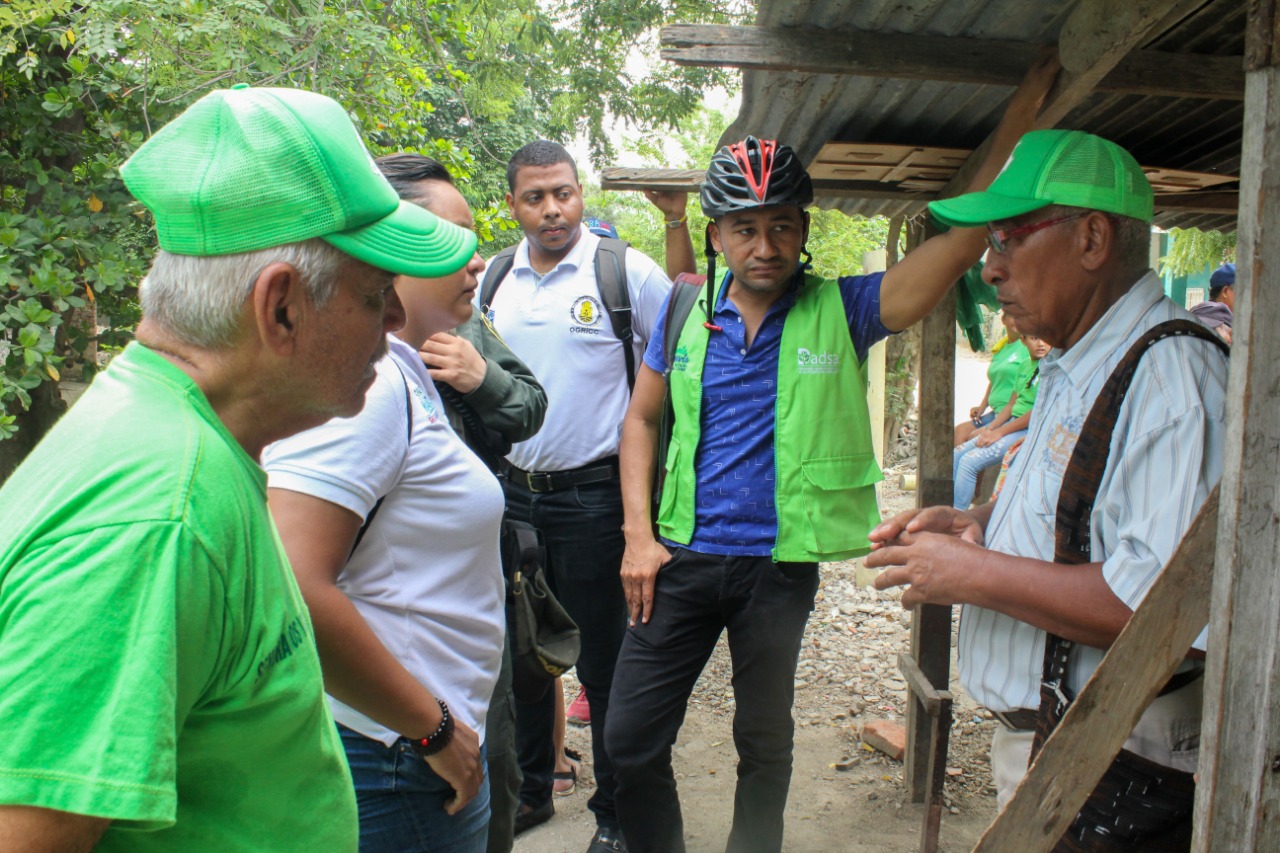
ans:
(680, 362)
(817, 362)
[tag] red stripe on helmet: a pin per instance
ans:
(759, 183)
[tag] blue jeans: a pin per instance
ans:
(401, 801)
(969, 460)
(582, 530)
(764, 606)
(985, 419)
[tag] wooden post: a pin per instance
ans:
(931, 623)
(1240, 738)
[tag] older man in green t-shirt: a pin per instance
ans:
(159, 684)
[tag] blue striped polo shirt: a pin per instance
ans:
(734, 513)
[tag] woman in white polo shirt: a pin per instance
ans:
(408, 607)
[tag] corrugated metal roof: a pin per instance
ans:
(808, 110)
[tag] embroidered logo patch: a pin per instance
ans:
(680, 362)
(817, 362)
(586, 313)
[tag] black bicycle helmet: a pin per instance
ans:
(754, 173)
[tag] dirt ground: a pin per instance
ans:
(847, 677)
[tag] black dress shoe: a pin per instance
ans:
(527, 817)
(607, 841)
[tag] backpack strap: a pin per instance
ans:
(408, 437)
(684, 295)
(1073, 539)
(611, 278)
(496, 271)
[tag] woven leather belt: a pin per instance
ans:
(1022, 720)
(539, 482)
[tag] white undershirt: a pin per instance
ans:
(426, 577)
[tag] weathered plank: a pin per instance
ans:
(674, 180)
(926, 694)
(1140, 661)
(931, 623)
(940, 734)
(1099, 34)
(1000, 62)
(1096, 27)
(1239, 792)
(1070, 90)
(1199, 202)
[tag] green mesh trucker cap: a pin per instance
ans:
(246, 168)
(1067, 167)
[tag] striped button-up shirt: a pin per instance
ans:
(1166, 456)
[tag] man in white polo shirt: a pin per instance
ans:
(550, 311)
(1102, 491)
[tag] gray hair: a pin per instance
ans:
(198, 299)
(1133, 241)
(1132, 244)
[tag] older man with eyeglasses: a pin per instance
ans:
(1123, 447)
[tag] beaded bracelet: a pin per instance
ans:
(437, 740)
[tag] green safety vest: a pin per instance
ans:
(825, 468)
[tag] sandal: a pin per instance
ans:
(565, 782)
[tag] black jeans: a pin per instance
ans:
(502, 763)
(582, 530)
(764, 605)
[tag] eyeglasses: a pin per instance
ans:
(998, 238)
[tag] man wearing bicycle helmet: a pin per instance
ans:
(768, 471)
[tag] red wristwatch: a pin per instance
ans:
(437, 740)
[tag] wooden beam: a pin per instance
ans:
(931, 623)
(928, 696)
(940, 736)
(1240, 738)
(1097, 724)
(868, 189)
(1093, 28)
(1200, 202)
(1099, 34)
(1071, 89)
(999, 62)
(673, 180)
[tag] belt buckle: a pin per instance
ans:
(539, 481)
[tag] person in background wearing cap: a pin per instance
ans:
(1069, 233)
(1215, 316)
(564, 481)
(1222, 286)
(159, 685)
(391, 525)
(769, 471)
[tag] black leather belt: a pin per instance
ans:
(1022, 720)
(600, 471)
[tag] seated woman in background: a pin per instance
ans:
(987, 446)
(1007, 355)
(391, 525)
